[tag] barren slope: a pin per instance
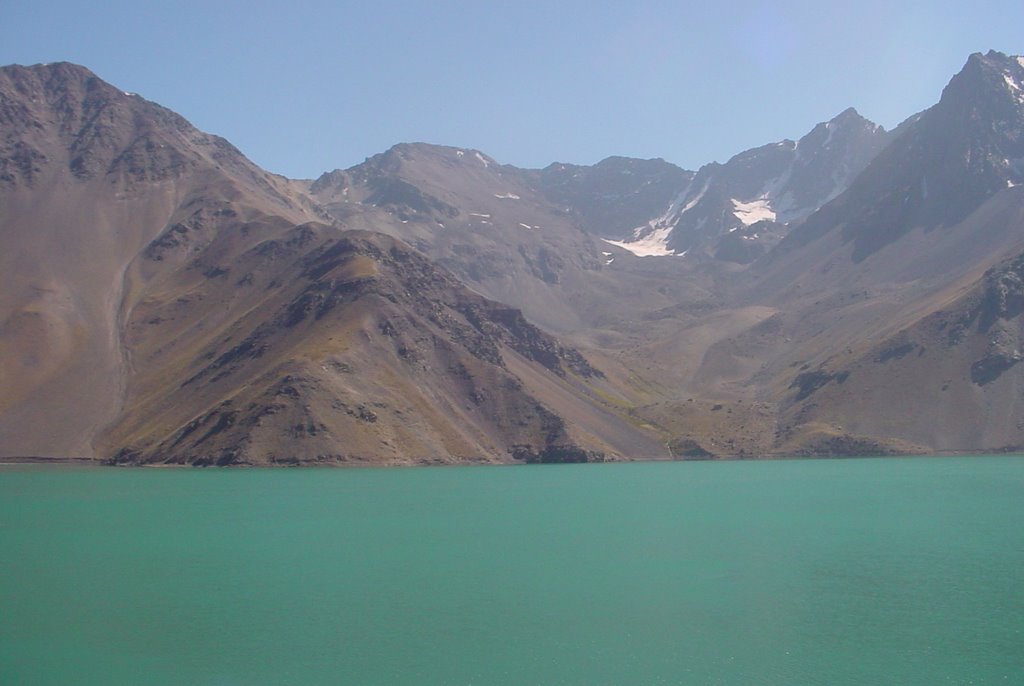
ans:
(88, 176)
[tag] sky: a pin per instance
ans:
(307, 86)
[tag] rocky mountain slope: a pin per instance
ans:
(611, 198)
(842, 342)
(501, 235)
(89, 175)
(154, 278)
(309, 344)
(922, 237)
(734, 211)
(165, 300)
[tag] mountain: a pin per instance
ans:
(612, 197)
(500, 234)
(899, 295)
(738, 210)
(952, 158)
(307, 344)
(166, 300)
(469, 214)
(89, 175)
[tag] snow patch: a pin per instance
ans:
(1015, 89)
(482, 159)
(651, 239)
(693, 203)
(479, 214)
(527, 226)
(459, 153)
(653, 244)
(753, 211)
(610, 261)
(606, 254)
(506, 196)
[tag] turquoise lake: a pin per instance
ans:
(868, 571)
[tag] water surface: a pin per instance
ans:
(896, 571)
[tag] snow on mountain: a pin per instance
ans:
(782, 182)
(758, 210)
(653, 244)
(651, 239)
(1013, 78)
(613, 197)
(942, 165)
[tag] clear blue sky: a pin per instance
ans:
(307, 86)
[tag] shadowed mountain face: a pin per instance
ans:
(950, 159)
(308, 344)
(870, 287)
(616, 195)
(167, 301)
(733, 212)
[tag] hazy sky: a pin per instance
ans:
(304, 87)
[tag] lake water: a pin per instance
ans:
(894, 571)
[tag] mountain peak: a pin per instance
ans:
(56, 68)
(848, 113)
(397, 156)
(987, 78)
(850, 117)
(992, 57)
(51, 78)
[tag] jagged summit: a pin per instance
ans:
(738, 210)
(848, 113)
(992, 82)
(944, 164)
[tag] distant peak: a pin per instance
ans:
(848, 122)
(995, 56)
(851, 117)
(64, 69)
(984, 75)
(991, 60)
(411, 150)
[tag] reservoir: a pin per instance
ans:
(838, 572)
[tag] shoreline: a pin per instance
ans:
(36, 459)
(767, 457)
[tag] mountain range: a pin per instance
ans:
(166, 301)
